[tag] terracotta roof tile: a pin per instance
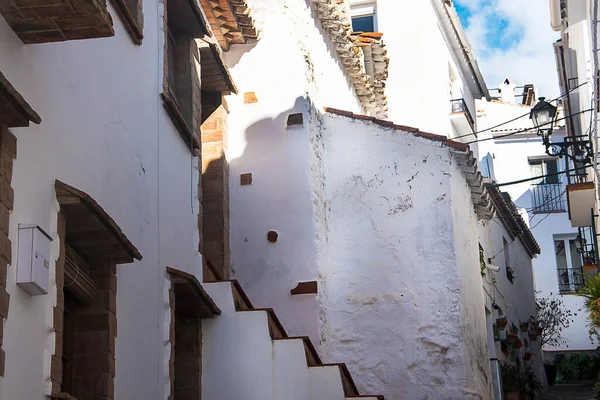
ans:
(362, 54)
(230, 21)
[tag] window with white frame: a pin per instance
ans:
(568, 263)
(547, 191)
(364, 16)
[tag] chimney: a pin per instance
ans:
(507, 91)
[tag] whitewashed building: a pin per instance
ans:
(199, 141)
(105, 217)
(514, 152)
(361, 233)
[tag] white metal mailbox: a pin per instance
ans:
(33, 266)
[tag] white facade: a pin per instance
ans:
(387, 220)
(512, 157)
(105, 132)
(431, 68)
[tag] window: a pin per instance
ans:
(568, 264)
(181, 74)
(189, 305)
(510, 272)
(363, 24)
(544, 167)
(364, 16)
(84, 318)
(548, 191)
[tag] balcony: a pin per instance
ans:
(461, 117)
(42, 21)
(570, 280)
(548, 198)
(582, 202)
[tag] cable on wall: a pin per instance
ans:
(528, 129)
(517, 118)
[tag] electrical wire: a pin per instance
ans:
(540, 221)
(522, 116)
(503, 249)
(539, 177)
(528, 129)
(546, 202)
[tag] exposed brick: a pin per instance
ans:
(5, 248)
(6, 193)
(3, 273)
(96, 322)
(246, 179)
(272, 236)
(58, 315)
(56, 369)
(250, 98)
(58, 344)
(2, 361)
(4, 302)
(8, 143)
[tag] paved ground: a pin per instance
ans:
(569, 392)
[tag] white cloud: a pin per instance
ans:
(513, 38)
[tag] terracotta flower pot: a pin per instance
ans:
(539, 331)
(598, 303)
(527, 356)
(533, 335)
(519, 343)
(502, 322)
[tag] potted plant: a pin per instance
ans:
(518, 344)
(512, 382)
(524, 326)
(519, 381)
(502, 321)
(527, 356)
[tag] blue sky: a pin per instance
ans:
(512, 38)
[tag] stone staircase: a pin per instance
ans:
(269, 365)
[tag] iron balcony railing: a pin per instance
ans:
(570, 280)
(548, 198)
(460, 106)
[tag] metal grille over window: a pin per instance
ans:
(548, 192)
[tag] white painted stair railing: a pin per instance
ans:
(267, 364)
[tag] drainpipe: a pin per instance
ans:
(555, 15)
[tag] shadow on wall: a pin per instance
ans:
(272, 188)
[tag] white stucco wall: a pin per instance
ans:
(401, 269)
(516, 300)
(472, 303)
(421, 55)
(511, 162)
(104, 131)
(290, 62)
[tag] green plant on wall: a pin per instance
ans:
(482, 263)
(591, 293)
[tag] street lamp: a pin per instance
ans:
(543, 115)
